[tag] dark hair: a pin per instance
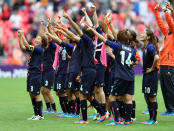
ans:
(88, 32)
(153, 39)
(103, 26)
(44, 41)
(124, 36)
(133, 40)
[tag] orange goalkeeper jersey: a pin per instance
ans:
(166, 53)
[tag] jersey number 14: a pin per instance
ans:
(128, 60)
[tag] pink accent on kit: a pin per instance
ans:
(103, 56)
(56, 57)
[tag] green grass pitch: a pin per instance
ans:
(15, 108)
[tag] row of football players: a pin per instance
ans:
(103, 57)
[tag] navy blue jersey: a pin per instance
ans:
(75, 61)
(36, 59)
(99, 46)
(63, 64)
(88, 51)
(110, 63)
(124, 55)
(148, 56)
(49, 55)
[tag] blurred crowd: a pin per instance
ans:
(26, 15)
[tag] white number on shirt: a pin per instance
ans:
(81, 88)
(128, 60)
(31, 88)
(59, 86)
(46, 83)
(70, 84)
(147, 90)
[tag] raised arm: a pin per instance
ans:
(169, 19)
(75, 26)
(49, 28)
(82, 22)
(25, 43)
(109, 28)
(42, 28)
(163, 27)
(109, 32)
(169, 6)
(101, 37)
(95, 19)
(72, 36)
(62, 32)
(113, 30)
(54, 38)
(20, 40)
(88, 20)
(110, 35)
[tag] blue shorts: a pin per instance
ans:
(109, 79)
(87, 81)
(150, 83)
(100, 75)
(106, 87)
(73, 84)
(48, 79)
(60, 83)
(121, 87)
(34, 84)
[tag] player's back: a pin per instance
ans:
(88, 50)
(123, 63)
(63, 62)
(48, 59)
(75, 61)
(36, 58)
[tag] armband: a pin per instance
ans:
(31, 48)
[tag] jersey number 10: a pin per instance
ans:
(128, 60)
